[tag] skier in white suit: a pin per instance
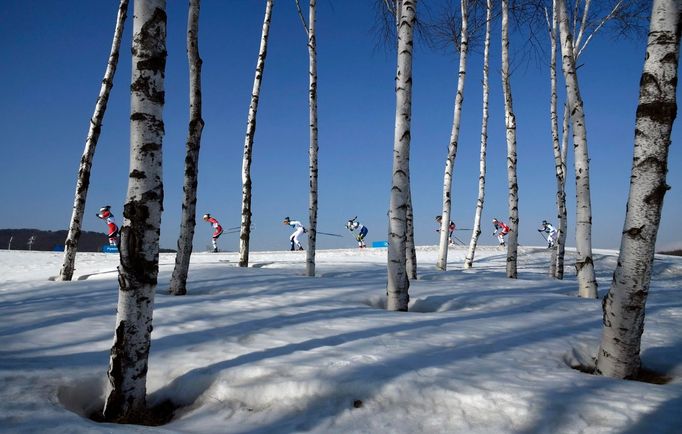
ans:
(298, 230)
(551, 231)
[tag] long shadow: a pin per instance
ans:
(58, 319)
(434, 358)
(297, 421)
(73, 360)
(59, 305)
(55, 292)
(198, 380)
(562, 406)
(666, 418)
(255, 325)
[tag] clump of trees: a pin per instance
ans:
(624, 305)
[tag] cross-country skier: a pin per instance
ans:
(106, 215)
(501, 229)
(218, 230)
(451, 228)
(298, 230)
(353, 224)
(552, 233)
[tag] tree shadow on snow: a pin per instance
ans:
(191, 385)
(352, 386)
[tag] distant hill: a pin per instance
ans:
(672, 252)
(52, 240)
(49, 240)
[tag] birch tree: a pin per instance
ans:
(556, 267)
(178, 283)
(137, 273)
(245, 230)
(510, 128)
(410, 248)
(476, 230)
(83, 181)
(398, 282)
(312, 152)
(444, 241)
(624, 305)
(587, 284)
(586, 24)
(312, 95)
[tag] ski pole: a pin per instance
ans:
(237, 227)
(233, 231)
(331, 235)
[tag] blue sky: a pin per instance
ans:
(56, 53)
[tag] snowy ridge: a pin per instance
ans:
(267, 350)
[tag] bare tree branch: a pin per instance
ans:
(300, 14)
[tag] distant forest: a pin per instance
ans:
(52, 240)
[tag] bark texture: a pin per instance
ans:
(556, 264)
(83, 181)
(510, 127)
(587, 283)
(398, 282)
(137, 273)
(476, 230)
(312, 153)
(178, 283)
(624, 305)
(245, 230)
(444, 241)
(410, 248)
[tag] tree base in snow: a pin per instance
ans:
(644, 375)
(157, 415)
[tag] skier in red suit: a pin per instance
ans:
(501, 229)
(106, 215)
(218, 230)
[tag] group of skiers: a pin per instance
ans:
(114, 236)
(501, 230)
(352, 225)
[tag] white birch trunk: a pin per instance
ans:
(178, 283)
(556, 264)
(83, 181)
(398, 283)
(312, 95)
(410, 250)
(245, 230)
(138, 270)
(510, 127)
(624, 305)
(563, 214)
(587, 284)
(476, 230)
(444, 241)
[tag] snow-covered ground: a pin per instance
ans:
(267, 350)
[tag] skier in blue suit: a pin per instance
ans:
(353, 224)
